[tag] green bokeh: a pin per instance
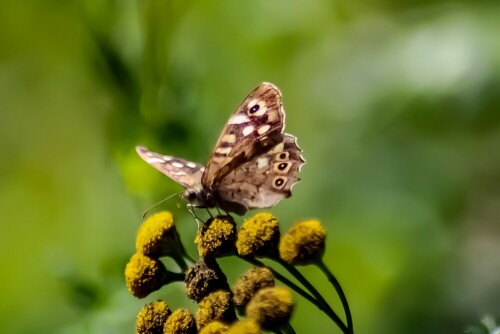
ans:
(396, 106)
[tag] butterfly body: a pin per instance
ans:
(253, 165)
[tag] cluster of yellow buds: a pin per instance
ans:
(254, 303)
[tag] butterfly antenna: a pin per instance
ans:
(160, 202)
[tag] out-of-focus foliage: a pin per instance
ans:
(395, 104)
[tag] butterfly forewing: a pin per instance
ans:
(256, 126)
(184, 172)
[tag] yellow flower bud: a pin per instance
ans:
(152, 317)
(250, 282)
(214, 327)
(259, 236)
(271, 307)
(246, 326)
(304, 243)
(217, 237)
(180, 322)
(203, 278)
(157, 236)
(215, 306)
(145, 275)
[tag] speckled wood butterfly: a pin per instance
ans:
(253, 165)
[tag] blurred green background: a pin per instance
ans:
(396, 106)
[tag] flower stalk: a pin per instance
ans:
(325, 307)
(340, 292)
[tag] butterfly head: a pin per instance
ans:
(196, 196)
(190, 195)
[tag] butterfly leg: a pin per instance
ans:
(196, 219)
(209, 213)
(218, 211)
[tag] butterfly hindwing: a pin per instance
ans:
(256, 126)
(184, 172)
(266, 179)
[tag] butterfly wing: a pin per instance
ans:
(186, 173)
(255, 127)
(253, 164)
(264, 180)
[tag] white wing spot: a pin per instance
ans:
(191, 165)
(223, 150)
(239, 119)
(248, 130)
(155, 160)
(230, 139)
(263, 129)
(177, 164)
(262, 162)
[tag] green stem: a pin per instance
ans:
(179, 260)
(171, 276)
(182, 252)
(181, 263)
(187, 256)
(325, 306)
(287, 329)
(321, 265)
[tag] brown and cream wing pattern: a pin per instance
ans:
(266, 179)
(256, 126)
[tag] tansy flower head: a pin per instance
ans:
(271, 307)
(217, 237)
(263, 306)
(214, 327)
(250, 282)
(304, 243)
(259, 236)
(203, 278)
(152, 317)
(180, 322)
(215, 306)
(145, 275)
(157, 235)
(246, 326)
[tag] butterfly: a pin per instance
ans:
(253, 165)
